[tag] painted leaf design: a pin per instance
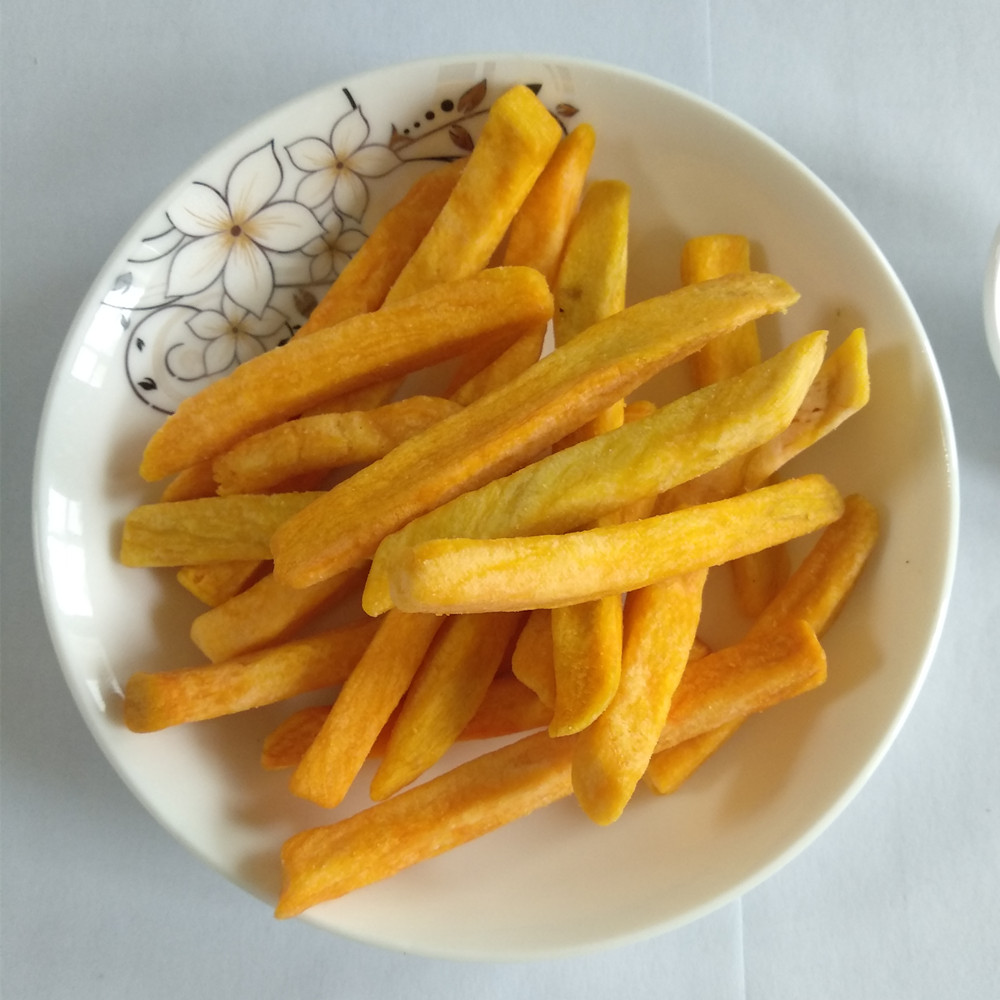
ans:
(123, 282)
(148, 384)
(305, 301)
(397, 140)
(472, 98)
(461, 137)
(140, 344)
(567, 110)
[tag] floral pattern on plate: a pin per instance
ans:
(239, 265)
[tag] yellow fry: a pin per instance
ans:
(363, 707)
(814, 594)
(531, 661)
(669, 769)
(425, 328)
(536, 238)
(502, 430)
(538, 232)
(323, 442)
(210, 529)
(190, 483)
(499, 787)
(740, 680)
(817, 589)
(155, 701)
(586, 661)
(467, 802)
(575, 486)
(841, 388)
(265, 613)
(455, 575)
(707, 257)
(364, 283)
(516, 141)
(507, 708)
(443, 697)
(590, 286)
(614, 751)
(215, 583)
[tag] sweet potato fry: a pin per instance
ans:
(424, 821)
(507, 708)
(154, 701)
(323, 442)
(574, 487)
(190, 484)
(364, 283)
(710, 256)
(531, 661)
(215, 583)
(740, 680)
(516, 141)
(817, 589)
(443, 697)
(586, 661)
(425, 328)
(757, 576)
(502, 430)
(266, 613)
(211, 529)
(814, 593)
(536, 238)
(670, 768)
(362, 708)
(496, 788)
(614, 751)
(461, 575)
(840, 389)
(590, 286)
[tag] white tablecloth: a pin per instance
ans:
(895, 104)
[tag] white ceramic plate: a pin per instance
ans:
(160, 319)
(991, 301)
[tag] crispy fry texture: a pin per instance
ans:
(157, 700)
(529, 546)
(422, 329)
(455, 575)
(576, 486)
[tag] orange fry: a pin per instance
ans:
(614, 751)
(265, 613)
(531, 661)
(814, 593)
(324, 442)
(590, 286)
(467, 802)
(669, 769)
(507, 708)
(574, 486)
(425, 328)
(536, 238)
(454, 575)
(443, 697)
(516, 141)
(362, 708)
(364, 283)
(215, 583)
(210, 529)
(817, 589)
(733, 683)
(155, 701)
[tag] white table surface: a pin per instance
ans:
(895, 104)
